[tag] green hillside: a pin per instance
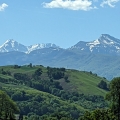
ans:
(81, 81)
(36, 88)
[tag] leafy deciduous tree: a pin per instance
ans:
(7, 107)
(114, 96)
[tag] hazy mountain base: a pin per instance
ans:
(104, 65)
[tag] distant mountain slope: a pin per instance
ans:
(11, 58)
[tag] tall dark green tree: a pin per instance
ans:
(114, 96)
(7, 107)
(103, 85)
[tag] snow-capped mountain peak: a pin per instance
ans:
(107, 39)
(105, 44)
(8, 42)
(12, 45)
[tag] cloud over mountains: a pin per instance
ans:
(110, 3)
(3, 6)
(84, 5)
(70, 4)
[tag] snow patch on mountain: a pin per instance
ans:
(93, 44)
(40, 46)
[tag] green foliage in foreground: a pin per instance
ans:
(114, 96)
(7, 107)
(99, 114)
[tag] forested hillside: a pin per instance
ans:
(42, 92)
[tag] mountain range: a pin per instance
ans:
(101, 56)
(12, 45)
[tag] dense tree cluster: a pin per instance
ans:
(2, 71)
(21, 76)
(37, 105)
(33, 105)
(37, 73)
(56, 73)
(103, 85)
(99, 114)
(114, 96)
(16, 66)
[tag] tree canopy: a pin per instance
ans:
(114, 96)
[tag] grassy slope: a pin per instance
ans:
(83, 82)
(86, 83)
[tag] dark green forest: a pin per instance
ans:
(46, 93)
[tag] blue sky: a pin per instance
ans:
(63, 22)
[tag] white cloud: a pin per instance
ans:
(3, 6)
(70, 4)
(109, 3)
